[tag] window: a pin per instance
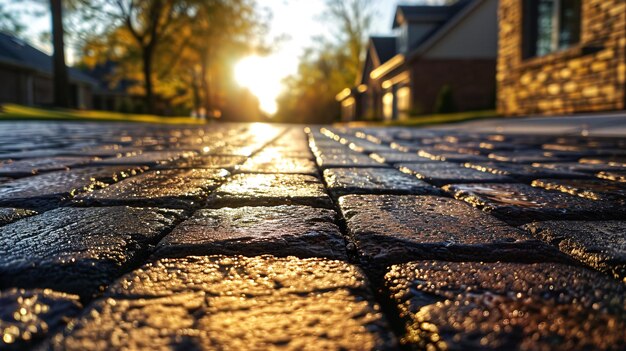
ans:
(388, 106)
(349, 109)
(550, 25)
(404, 102)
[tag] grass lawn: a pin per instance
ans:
(21, 113)
(425, 120)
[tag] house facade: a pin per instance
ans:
(561, 56)
(26, 75)
(435, 51)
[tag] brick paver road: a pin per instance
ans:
(252, 236)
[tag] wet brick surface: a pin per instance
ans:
(507, 306)
(49, 189)
(21, 168)
(600, 244)
(77, 250)
(8, 214)
(234, 303)
(174, 188)
(271, 189)
(343, 181)
(277, 163)
(311, 232)
(391, 229)
(443, 173)
(518, 203)
(225, 236)
(28, 316)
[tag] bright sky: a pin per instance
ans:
(301, 20)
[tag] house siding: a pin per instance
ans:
(588, 77)
(471, 81)
(13, 85)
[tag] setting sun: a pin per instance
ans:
(262, 76)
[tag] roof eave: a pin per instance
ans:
(441, 33)
(388, 66)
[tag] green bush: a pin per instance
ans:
(445, 101)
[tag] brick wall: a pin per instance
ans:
(472, 83)
(588, 77)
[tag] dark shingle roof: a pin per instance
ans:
(436, 13)
(18, 53)
(385, 47)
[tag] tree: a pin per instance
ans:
(329, 66)
(9, 23)
(185, 56)
(354, 19)
(148, 23)
(61, 79)
(222, 31)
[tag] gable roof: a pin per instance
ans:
(447, 16)
(439, 14)
(18, 53)
(384, 47)
(412, 13)
(461, 10)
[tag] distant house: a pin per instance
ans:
(111, 94)
(561, 56)
(26, 75)
(449, 49)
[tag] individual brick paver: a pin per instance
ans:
(519, 203)
(290, 151)
(525, 172)
(145, 158)
(343, 181)
(267, 163)
(600, 244)
(618, 176)
(508, 306)
(28, 316)
(205, 161)
(438, 155)
(10, 214)
(77, 250)
(532, 156)
(279, 230)
(578, 167)
(392, 229)
(234, 303)
(443, 173)
(271, 190)
(41, 153)
(163, 188)
(346, 159)
(22, 168)
(399, 157)
(614, 161)
(594, 189)
(47, 190)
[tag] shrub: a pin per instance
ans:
(445, 101)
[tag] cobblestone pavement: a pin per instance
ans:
(253, 236)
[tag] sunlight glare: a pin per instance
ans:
(262, 76)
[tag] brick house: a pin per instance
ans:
(452, 47)
(26, 75)
(561, 56)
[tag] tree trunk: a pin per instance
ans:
(205, 85)
(61, 80)
(197, 104)
(147, 76)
